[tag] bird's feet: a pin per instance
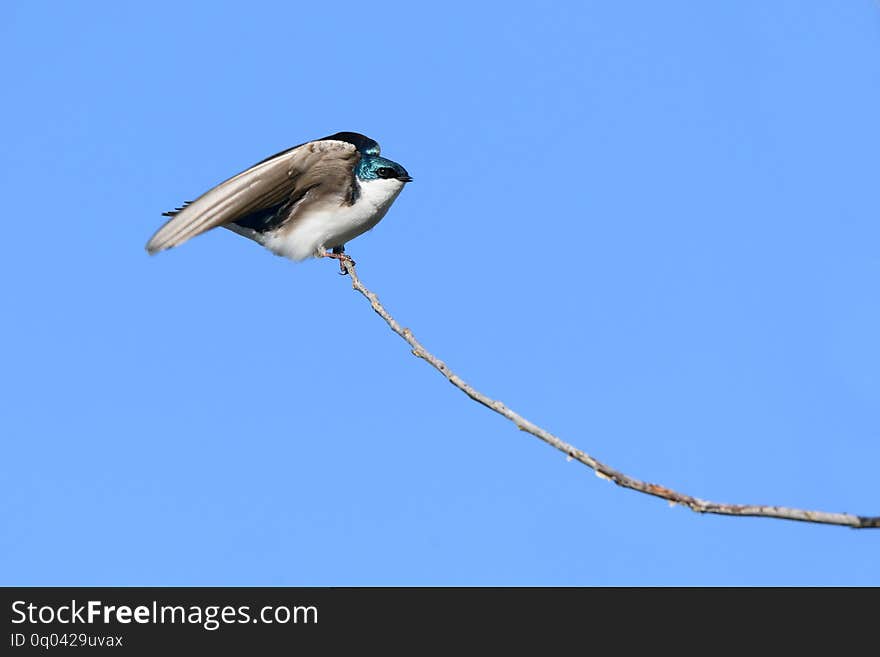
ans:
(338, 253)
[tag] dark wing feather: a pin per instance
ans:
(175, 211)
(264, 185)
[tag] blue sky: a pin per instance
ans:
(650, 227)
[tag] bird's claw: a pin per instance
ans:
(342, 258)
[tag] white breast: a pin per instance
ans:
(326, 228)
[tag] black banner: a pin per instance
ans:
(330, 620)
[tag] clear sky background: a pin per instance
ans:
(651, 227)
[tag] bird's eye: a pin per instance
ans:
(385, 172)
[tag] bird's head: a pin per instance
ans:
(376, 167)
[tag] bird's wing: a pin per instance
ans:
(288, 174)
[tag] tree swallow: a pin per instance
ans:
(298, 203)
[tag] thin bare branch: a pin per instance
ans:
(603, 471)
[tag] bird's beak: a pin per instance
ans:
(405, 179)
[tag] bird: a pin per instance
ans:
(307, 201)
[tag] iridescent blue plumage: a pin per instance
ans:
(371, 167)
